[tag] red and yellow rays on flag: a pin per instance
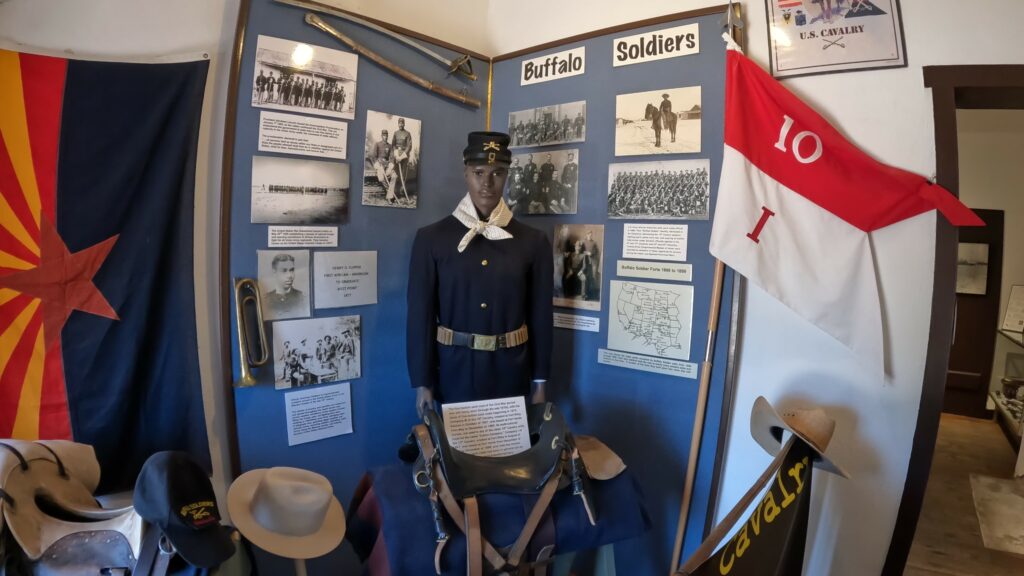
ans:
(41, 282)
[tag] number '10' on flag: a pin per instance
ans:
(797, 201)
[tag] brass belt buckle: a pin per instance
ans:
(487, 343)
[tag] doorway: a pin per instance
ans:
(978, 111)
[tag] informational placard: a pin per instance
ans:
(577, 322)
(655, 270)
(493, 428)
(1014, 318)
(647, 363)
(302, 236)
(655, 241)
(303, 135)
(554, 66)
(344, 278)
(318, 413)
(649, 318)
(656, 45)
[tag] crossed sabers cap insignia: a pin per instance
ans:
(492, 145)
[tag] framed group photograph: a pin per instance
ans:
(544, 182)
(578, 261)
(820, 36)
(548, 125)
(292, 191)
(391, 160)
(665, 121)
(299, 77)
(283, 278)
(666, 189)
(316, 351)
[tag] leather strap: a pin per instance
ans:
(60, 464)
(445, 494)
(541, 506)
(474, 538)
(710, 544)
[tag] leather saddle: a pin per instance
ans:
(452, 480)
(523, 473)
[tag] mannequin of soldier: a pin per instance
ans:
(480, 283)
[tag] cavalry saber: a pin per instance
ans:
(317, 22)
(462, 65)
(698, 419)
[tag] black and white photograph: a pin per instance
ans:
(391, 160)
(283, 277)
(291, 191)
(300, 77)
(665, 121)
(578, 259)
(663, 189)
(547, 125)
(544, 182)
(316, 351)
(972, 268)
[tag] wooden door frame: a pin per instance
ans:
(967, 87)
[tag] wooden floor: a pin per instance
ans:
(948, 539)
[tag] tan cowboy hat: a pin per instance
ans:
(49, 494)
(289, 512)
(812, 425)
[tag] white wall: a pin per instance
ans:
(147, 30)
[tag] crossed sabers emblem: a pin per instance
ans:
(492, 145)
(831, 43)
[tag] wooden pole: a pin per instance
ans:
(698, 418)
(300, 567)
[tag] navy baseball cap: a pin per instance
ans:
(174, 494)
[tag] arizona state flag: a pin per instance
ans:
(797, 202)
(97, 311)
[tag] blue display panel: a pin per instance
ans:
(383, 411)
(645, 417)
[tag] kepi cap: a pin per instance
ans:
(487, 148)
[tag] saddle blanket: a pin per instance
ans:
(392, 530)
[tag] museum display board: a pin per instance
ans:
(328, 233)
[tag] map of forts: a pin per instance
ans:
(651, 318)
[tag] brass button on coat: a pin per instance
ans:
(483, 305)
(483, 262)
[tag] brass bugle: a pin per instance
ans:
(248, 292)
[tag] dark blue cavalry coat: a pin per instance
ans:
(493, 287)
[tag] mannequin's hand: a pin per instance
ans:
(424, 400)
(537, 392)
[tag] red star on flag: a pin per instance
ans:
(63, 281)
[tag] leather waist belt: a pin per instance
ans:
(450, 337)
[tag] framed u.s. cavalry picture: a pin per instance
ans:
(821, 36)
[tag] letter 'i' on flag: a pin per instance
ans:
(97, 311)
(796, 203)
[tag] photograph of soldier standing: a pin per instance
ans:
(479, 296)
(391, 160)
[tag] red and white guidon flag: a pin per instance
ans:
(796, 202)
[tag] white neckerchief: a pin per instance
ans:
(492, 228)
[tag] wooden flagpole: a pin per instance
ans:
(734, 23)
(698, 419)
